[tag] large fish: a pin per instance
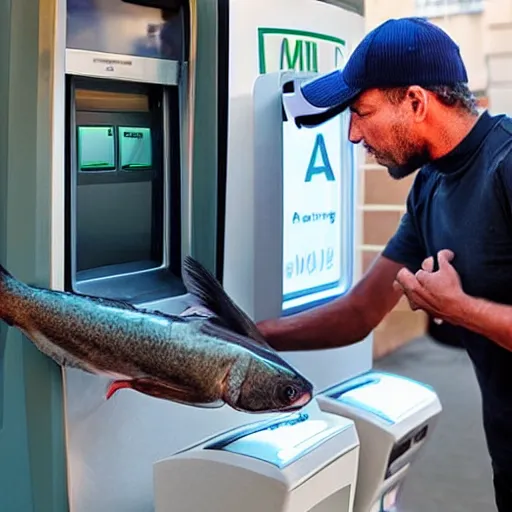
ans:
(204, 361)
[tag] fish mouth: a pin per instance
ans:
(301, 402)
(304, 400)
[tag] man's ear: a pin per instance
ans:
(417, 98)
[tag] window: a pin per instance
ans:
(435, 8)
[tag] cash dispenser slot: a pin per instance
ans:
(123, 190)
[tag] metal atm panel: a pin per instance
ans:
(125, 194)
(125, 40)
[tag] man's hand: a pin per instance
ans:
(440, 293)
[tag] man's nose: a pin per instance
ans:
(354, 133)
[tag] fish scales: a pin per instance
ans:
(108, 337)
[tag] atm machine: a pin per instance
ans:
(124, 124)
(291, 219)
(291, 215)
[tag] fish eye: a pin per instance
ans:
(290, 393)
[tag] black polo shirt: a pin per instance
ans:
(463, 202)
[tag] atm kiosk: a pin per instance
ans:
(394, 416)
(292, 227)
(120, 184)
(308, 261)
(123, 140)
(301, 462)
(99, 202)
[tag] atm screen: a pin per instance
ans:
(316, 199)
(282, 443)
(96, 148)
(135, 152)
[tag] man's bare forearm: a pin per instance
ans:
(342, 322)
(492, 320)
(334, 325)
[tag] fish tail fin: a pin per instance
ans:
(203, 285)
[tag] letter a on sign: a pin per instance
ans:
(324, 167)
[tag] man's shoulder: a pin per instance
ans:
(502, 147)
(506, 122)
(501, 173)
(499, 156)
(502, 130)
(495, 151)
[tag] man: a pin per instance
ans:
(406, 87)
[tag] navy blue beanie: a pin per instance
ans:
(399, 52)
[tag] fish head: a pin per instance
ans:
(267, 386)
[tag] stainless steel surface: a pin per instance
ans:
(122, 67)
(111, 445)
(167, 173)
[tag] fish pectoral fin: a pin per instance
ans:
(212, 296)
(165, 391)
(116, 385)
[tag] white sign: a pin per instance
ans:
(315, 188)
(312, 209)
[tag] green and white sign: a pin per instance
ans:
(317, 178)
(298, 50)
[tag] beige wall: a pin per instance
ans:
(467, 30)
(378, 11)
(498, 49)
(381, 206)
(485, 40)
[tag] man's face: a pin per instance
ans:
(389, 132)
